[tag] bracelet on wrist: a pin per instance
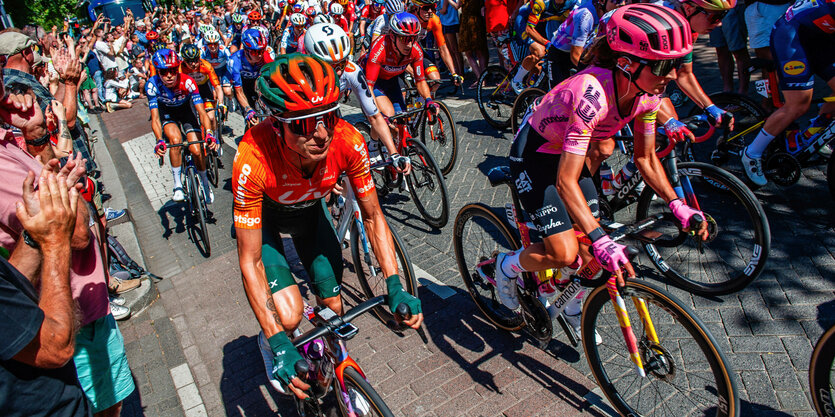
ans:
(27, 239)
(596, 234)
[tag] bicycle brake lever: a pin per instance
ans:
(403, 310)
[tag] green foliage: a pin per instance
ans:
(45, 13)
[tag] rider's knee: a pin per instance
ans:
(562, 252)
(796, 108)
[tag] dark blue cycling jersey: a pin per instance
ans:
(803, 44)
(160, 95)
(241, 70)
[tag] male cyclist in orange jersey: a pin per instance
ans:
(284, 167)
(204, 75)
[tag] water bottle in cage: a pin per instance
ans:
(606, 179)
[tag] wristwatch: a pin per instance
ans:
(27, 239)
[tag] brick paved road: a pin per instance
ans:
(469, 367)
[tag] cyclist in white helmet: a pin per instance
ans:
(380, 25)
(293, 33)
(337, 11)
(330, 43)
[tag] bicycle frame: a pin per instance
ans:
(584, 278)
(350, 213)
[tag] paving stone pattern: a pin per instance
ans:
(470, 368)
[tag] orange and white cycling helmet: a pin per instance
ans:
(327, 42)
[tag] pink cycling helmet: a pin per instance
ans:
(650, 32)
(713, 5)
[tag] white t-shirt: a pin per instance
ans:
(111, 89)
(106, 57)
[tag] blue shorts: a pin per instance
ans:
(733, 33)
(391, 89)
(102, 364)
(223, 76)
(795, 68)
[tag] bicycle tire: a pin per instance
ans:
(374, 285)
(830, 176)
(212, 171)
(493, 79)
(443, 144)
(821, 375)
(425, 174)
(199, 209)
(381, 176)
(521, 105)
(716, 382)
(467, 260)
(723, 195)
(356, 383)
(747, 113)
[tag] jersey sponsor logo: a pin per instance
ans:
(590, 105)
(242, 180)
(316, 99)
(825, 23)
(244, 219)
(551, 119)
(189, 84)
(310, 194)
(523, 183)
(794, 68)
(366, 188)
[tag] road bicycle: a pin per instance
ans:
(821, 375)
(437, 131)
(345, 212)
(524, 102)
(213, 156)
(740, 237)
(666, 363)
(198, 208)
(327, 367)
(783, 160)
(425, 182)
(495, 92)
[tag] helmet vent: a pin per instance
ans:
(645, 27)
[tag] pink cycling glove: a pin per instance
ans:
(160, 146)
(683, 212)
(610, 254)
(675, 130)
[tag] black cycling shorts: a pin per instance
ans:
(535, 178)
(183, 115)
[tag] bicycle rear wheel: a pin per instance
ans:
(495, 96)
(478, 235)
(740, 238)
(426, 185)
(821, 377)
(687, 373)
(520, 107)
(440, 138)
(370, 275)
(364, 399)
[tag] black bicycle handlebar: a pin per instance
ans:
(338, 321)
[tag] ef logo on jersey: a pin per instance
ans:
(794, 68)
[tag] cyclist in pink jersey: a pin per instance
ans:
(565, 137)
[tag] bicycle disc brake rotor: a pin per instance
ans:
(536, 317)
(782, 168)
(658, 361)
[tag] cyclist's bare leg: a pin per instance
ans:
(387, 109)
(172, 132)
(434, 75)
(796, 104)
(334, 303)
(289, 307)
(598, 152)
(196, 151)
(555, 251)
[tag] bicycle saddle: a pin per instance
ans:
(499, 175)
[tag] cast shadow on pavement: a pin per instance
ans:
(479, 128)
(459, 331)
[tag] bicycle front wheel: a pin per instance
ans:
(440, 138)
(686, 372)
(740, 239)
(478, 235)
(197, 199)
(821, 377)
(528, 98)
(426, 185)
(364, 400)
(495, 96)
(370, 275)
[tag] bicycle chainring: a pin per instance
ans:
(537, 321)
(657, 361)
(782, 168)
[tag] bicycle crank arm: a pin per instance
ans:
(572, 336)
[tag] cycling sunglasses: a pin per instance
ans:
(255, 53)
(306, 126)
(713, 16)
(663, 67)
(168, 71)
(427, 8)
(339, 66)
(407, 39)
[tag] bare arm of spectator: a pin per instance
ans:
(64, 146)
(51, 228)
(69, 69)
